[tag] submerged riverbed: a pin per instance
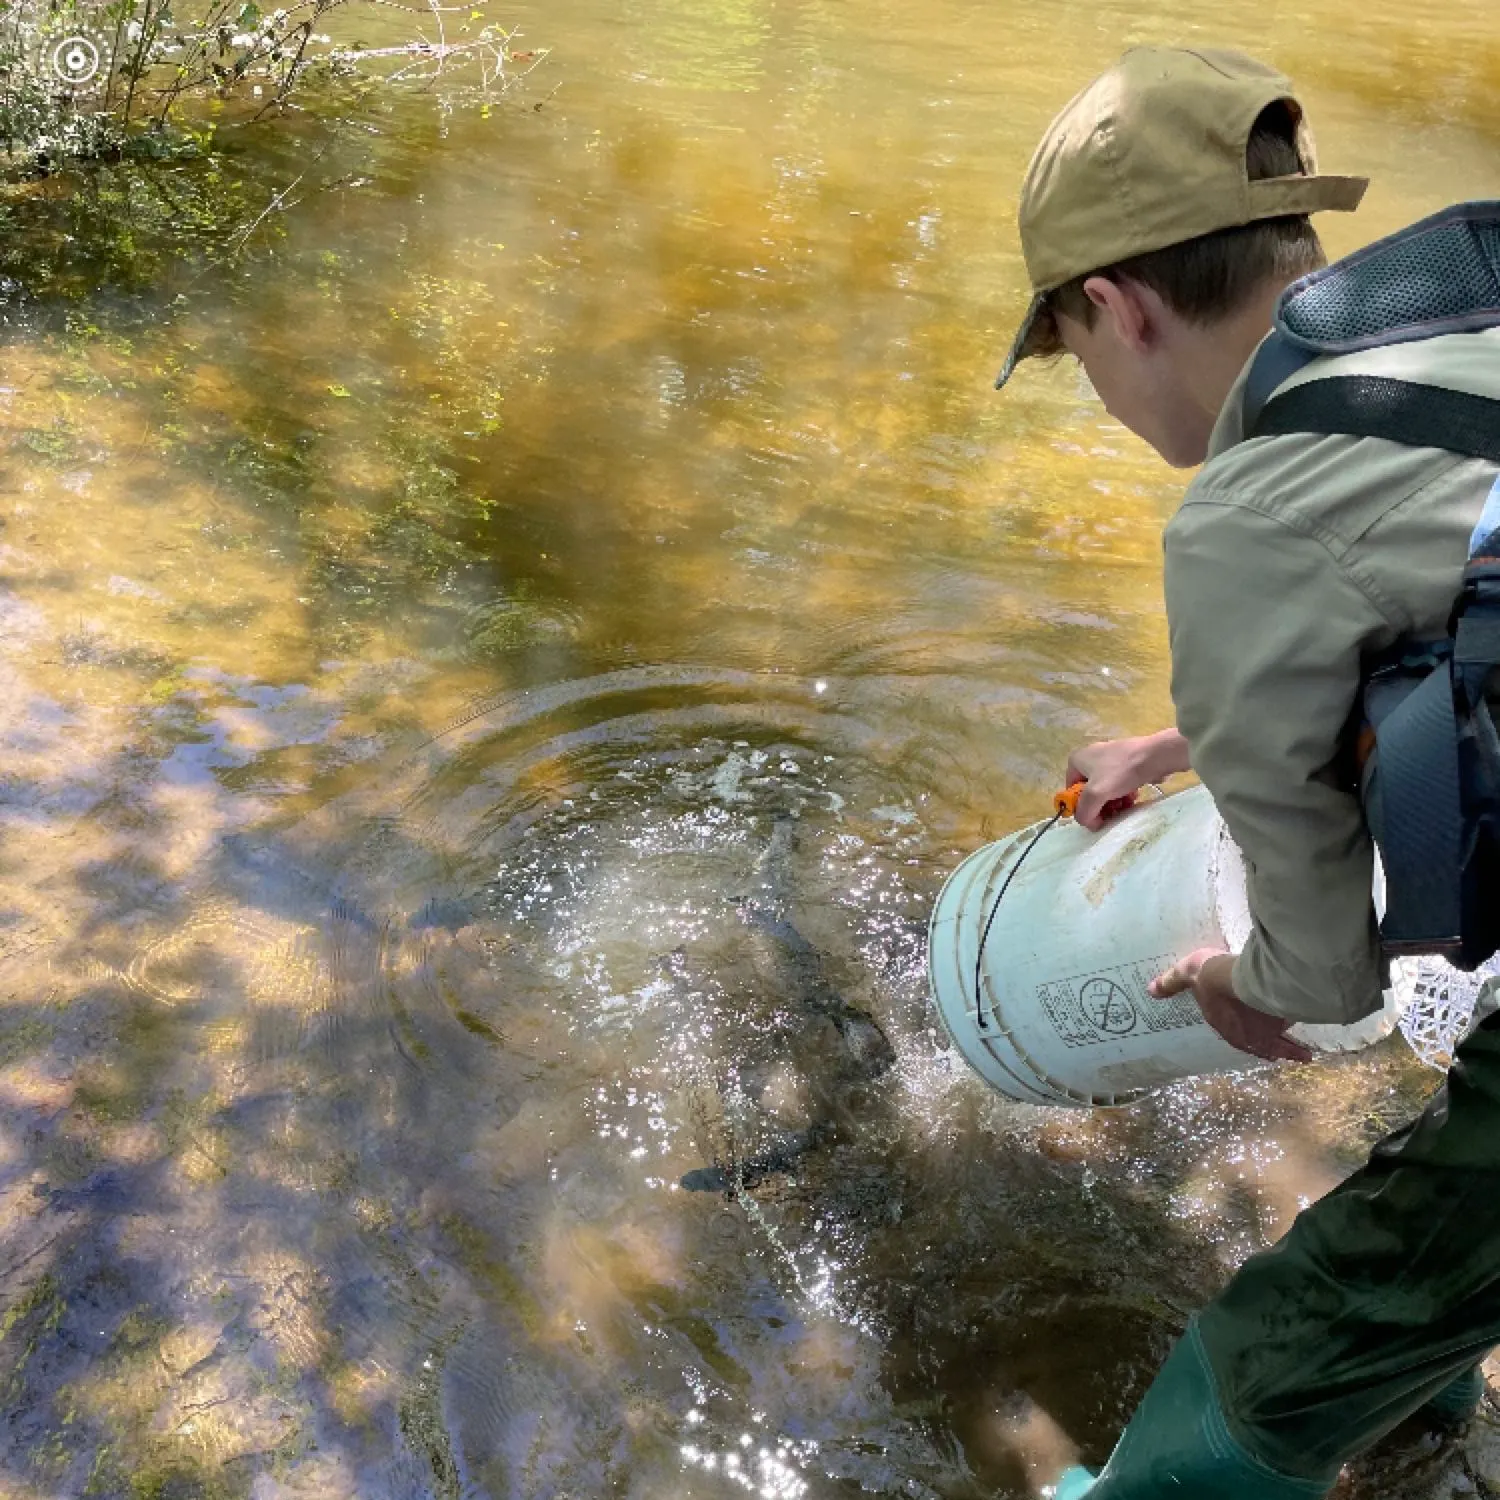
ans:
(492, 689)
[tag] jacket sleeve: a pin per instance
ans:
(1267, 632)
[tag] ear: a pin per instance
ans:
(1130, 309)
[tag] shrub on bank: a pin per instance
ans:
(82, 81)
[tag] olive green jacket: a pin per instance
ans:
(1290, 559)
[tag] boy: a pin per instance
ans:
(1162, 217)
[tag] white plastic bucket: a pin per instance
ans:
(1061, 1014)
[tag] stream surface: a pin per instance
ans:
(491, 689)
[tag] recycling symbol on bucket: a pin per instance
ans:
(1107, 1007)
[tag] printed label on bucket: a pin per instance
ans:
(1110, 1004)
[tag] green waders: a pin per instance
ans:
(1382, 1298)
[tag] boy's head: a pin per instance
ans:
(1168, 200)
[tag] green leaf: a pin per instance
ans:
(249, 14)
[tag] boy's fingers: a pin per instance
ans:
(1091, 809)
(1096, 807)
(1274, 1048)
(1280, 1045)
(1173, 982)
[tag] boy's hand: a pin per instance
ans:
(1116, 770)
(1209, 974)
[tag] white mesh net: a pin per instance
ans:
(1439, 1004)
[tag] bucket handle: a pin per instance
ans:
(1064, 805)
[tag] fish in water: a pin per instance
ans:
(838, 1046)
(783, 1157)
(445, 913)
(796, 967)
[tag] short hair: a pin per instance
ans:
(1211, 277)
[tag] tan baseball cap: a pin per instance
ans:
(1150, 154)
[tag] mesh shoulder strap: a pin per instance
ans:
(1401, 411)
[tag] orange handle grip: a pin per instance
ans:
(1065, 803)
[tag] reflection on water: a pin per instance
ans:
(490, 693)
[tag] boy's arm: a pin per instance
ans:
(1267, 634)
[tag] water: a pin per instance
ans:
(417, 646)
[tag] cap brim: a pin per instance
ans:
(1023, 346)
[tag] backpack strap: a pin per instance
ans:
(1421, 820)
(1401, 411)
(1423, 809)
